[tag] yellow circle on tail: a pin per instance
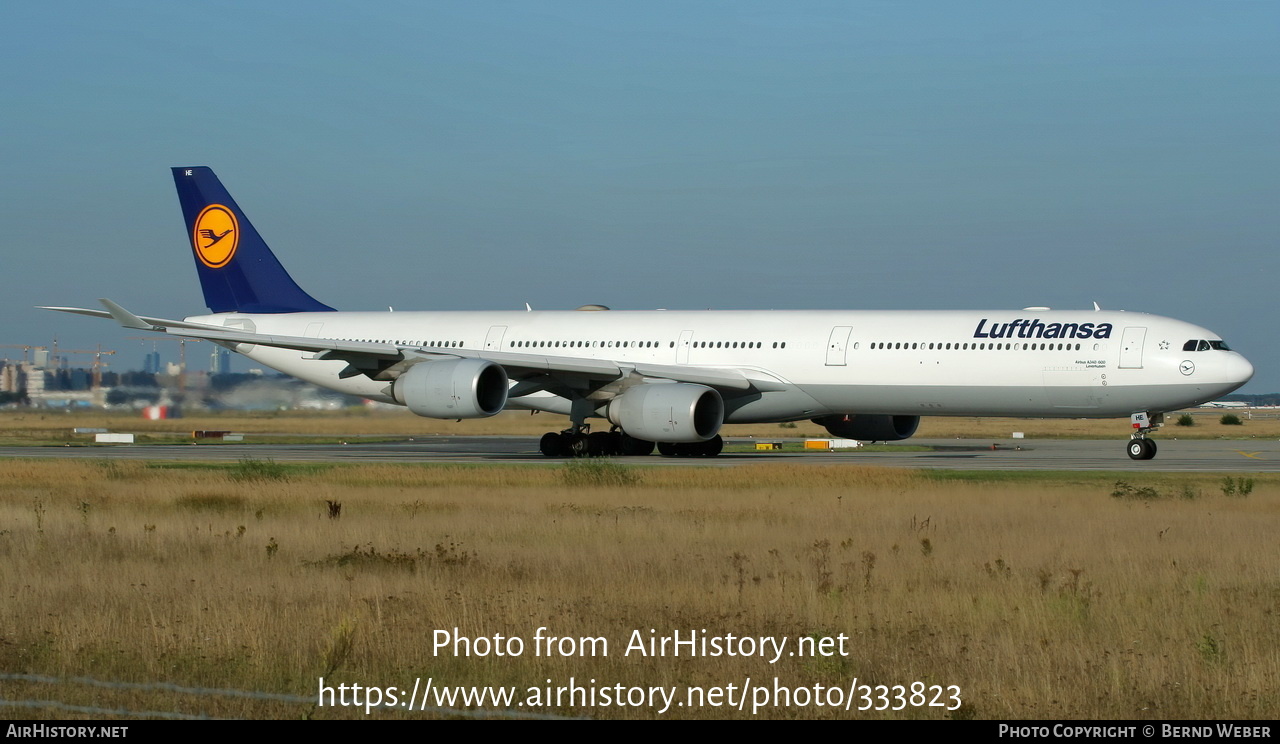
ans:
(215, 236)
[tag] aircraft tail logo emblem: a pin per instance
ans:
(215, 236)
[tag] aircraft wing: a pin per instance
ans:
(375, 358)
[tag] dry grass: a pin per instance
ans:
(1040, 598)
(45, 426)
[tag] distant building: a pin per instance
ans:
(9, 379)
(151, 365)
(220, 361)
(33, 381)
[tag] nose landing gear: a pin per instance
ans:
(1141, 448)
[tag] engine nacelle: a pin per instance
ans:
(870, 428)
(454, 389)
(669, 412)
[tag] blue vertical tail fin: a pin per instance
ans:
(238, 272)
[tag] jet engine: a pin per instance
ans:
(878, 428)
(454, 389)
(668, 412)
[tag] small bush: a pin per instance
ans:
(597, 473)
(1186, 419)
(1230, 419)
(1210, 648)
(250, 470)
(787, 425)
(368, 557)
(1240, 487)
(1125, 490)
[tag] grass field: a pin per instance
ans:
(55, 427)
(1040, 596)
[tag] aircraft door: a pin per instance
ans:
(838, 346)
(493, 341)
(1131, 347)
(682, 347)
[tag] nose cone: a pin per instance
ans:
(1239, 370)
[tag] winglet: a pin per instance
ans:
(126, 318)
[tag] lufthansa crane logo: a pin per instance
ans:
(215, 236)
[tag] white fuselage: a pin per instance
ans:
(934, 363)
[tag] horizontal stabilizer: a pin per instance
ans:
(138, 322)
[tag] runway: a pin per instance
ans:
(1244, 456)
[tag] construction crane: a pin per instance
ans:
(26, 350)
(98, 364)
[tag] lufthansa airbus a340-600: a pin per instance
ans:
(671, 379)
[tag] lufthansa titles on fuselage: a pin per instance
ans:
(1036, 328)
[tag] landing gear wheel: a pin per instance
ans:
(635, 447)
(551, 444)
(575, 445)
(710, 448)
(600, 444)
(668, 449)
(1142, 449)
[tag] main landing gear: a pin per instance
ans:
(1141, 448)
(580, 441)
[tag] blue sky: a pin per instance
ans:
(477, 155)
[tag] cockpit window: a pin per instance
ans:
(1202, 345)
